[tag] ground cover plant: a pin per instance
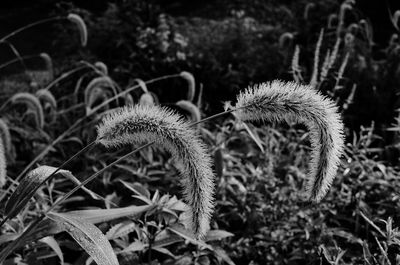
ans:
(93, 170)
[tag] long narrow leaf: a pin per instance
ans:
(88, 236)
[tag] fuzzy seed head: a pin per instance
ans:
(139, 124)
(102, 67)
(78, 21)
(314, 77)
(142, 84)
(103, 83)
(32, 103)
(49, 64)
(5, 136)
(396, 17)
(191, 108)
(146, 99)
(280, 101)
(285, 40)
(47, 97)
(191, 84)
(3, 164)
(332, 19)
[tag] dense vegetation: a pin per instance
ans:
(140, 52)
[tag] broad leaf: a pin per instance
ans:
(88, 236)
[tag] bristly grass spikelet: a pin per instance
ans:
(3, 164)
(341, 70)
(395, 19)
(307, 9)
(146, 99)
(140, 124)
(314, 76)
(331, 20)
(49, 64)
(5, 136)
(47, 97)
(346, 5)
(102, 67)
(142, 84)
(285, 40)
(194, 111)
(191, 84)
(32, 103)
(78, 21)
(295, 67)
(102, 82)
(279, 101)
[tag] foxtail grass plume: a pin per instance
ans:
(341, 70)
(139, 124)
(98, 94)
(314, 76)
(142, 84)
(325, 67)
(5, 136)
(102, 67)
(78, 21)
(346, 5)
(280, 101)
(32, 103)
(3, 164)
(146, 99)
(286, 40)
(332, 19)
(102, 82)
(49, 64)
(188, 106)
(191, 84)
(350, 98)
(295, 67)
(307, 9)
(47, 97)
(395, 19)
(128, 99)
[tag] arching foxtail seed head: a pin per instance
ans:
(49, 64)
(191, 84)
(188, 106)
(3, 164)
(280, 101)
(32, 103)
(142, 84)
(128, 100)
(102, 67)
(146, 99)
(5, 136)
(103, 83)
(286, 40)
(395, 19)
(78, 21)
(47, 97)
(307, 9)
(139, 124)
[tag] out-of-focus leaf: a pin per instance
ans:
(213, 235)
(222, 255)
(164, 251)
(88, 236)
(52, 243)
